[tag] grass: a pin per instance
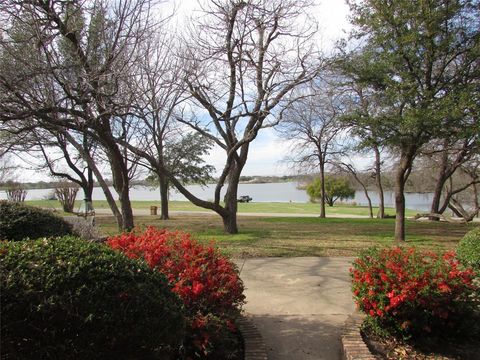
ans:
(263, 208)
(289, 236)
(302, 236)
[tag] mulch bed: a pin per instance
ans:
(393, 349)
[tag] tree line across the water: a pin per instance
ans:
(89, 88)
(419, 181)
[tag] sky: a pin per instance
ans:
(267, 151)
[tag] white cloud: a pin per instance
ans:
(266, 154)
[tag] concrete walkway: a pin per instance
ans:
(299, 305)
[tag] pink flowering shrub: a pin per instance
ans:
(206, 281)
(407, 291)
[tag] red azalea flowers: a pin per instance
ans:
(410, 289)
(206, 281)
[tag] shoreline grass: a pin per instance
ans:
(253, 207)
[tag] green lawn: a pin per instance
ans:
(289, 236)
(264, 208)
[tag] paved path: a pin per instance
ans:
(299, 305)
(143, 212)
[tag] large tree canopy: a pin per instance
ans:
(243, 59)
(422, 57)
(66, 66)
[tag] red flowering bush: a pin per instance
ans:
(206, 281)
(407, 291)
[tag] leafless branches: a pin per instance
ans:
(312, 124)
(243, 60)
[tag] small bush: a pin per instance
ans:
(84, 228)
(335, 188)
(207, 282)
(66, 193)
(468, 250)
(68, 298)
(18, 221)
(16, 193)
(406, 292)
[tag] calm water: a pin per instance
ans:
(272, 192)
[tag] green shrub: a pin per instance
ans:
(468, 250)
(18, 221)
(335, 188)
(67, 298)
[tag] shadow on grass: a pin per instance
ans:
(301, 236)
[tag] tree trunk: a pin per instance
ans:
(88, 186)
(322, 190)
(365, 190)
(378, 180)
(120, 179)
(399, 207)
(126, 206)
(437, 192)
(370, 210)
(401, 176)
(230, 223)
(230, 217)
(106, 191)
(163, 183)
(110, 200)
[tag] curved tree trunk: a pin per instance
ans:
(437, 192)
(120, 183)
(106, 191)
(370, 209)
(378, 181)
(119, 177)
(352, 171)
(227, 213)
(435, 206)
(87, 186)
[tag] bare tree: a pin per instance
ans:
(446, 157)
(313, 125)
(61, 159)
(77, 71)
(348, 167)
(243, 59)
(66, 193)
(7, 169)
(16, 192)
(153, 135)
(7, 166)
(469, 193)
(364, 104)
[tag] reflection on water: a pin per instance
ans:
(272, 192)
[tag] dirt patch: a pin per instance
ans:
(394, 349)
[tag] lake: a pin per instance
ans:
(271, 192)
